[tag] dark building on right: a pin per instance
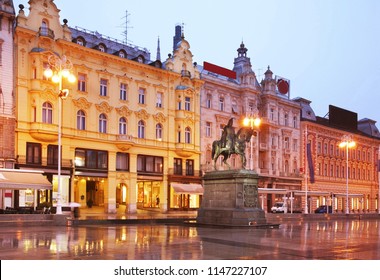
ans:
(339, 157)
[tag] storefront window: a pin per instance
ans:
(64, 189)
(149, 194)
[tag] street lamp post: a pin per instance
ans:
(59, 68)
(253, 121)
(347, 143)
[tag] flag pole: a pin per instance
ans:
(306, 172)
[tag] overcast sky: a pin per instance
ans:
(328, 49)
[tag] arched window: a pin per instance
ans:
(122, 126)
(187, 135)
(141, 129)
(81, 120)
(47, 113)
(102, 123)
(159, 131)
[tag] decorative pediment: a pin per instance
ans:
(82, 103)
(49, 95)
(104, 107)
(123, 111)
(159, 117)
(188, 120)
(142, 114)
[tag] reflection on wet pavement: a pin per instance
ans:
(310, 240)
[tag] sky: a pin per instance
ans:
(329, 50)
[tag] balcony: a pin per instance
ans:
(185, 150)
(46, 32)
(44, 132)
(124, 142)
(186, 73)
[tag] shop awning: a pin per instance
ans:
(187, 188)
(312, 193)
(272, 191)
(21, 180)
(349, 195)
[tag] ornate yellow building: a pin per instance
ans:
(130, 126)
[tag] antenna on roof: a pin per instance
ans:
(126, 26)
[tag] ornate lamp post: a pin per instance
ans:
(347, 143)
(253, 121)
(59, 69)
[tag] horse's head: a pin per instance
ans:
(245, 133)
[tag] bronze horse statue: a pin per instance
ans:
(232, 143)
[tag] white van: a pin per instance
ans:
(279, 207)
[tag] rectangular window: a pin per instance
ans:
(178, 166)
(103, 87)
(122, 161)
(141, 96)
(208, 129)
(221, 104)
(159, 100)
(190, 167)
(149, 164)
(208, 101)
(33, 153)
(52, 155)
(81, 82)
(187, 104)
(123, 92)
(91, 159)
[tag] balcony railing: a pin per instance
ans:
(46, 32)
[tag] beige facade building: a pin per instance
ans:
(130, 125)
(274, 152)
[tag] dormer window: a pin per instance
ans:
(80, 42)
(140, 59)
(121, 54)
(102, 48)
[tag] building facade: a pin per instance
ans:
(7, 96)
(333, 173)
(274, 152)
(130, 125)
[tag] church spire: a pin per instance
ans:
(158, 56)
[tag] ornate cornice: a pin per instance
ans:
(82, 103)
(159, 117)
(123, 111)
(104, 107)
(142, 114)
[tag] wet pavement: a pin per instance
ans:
(314, 240)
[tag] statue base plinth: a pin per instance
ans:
(231, 199)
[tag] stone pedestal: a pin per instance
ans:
(231, 198)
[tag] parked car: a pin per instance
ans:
(279, 207)
(323, 209)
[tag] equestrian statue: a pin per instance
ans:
(231, 143)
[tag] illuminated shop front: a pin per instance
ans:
(185, 196)
(149, 181)
(148, 194)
